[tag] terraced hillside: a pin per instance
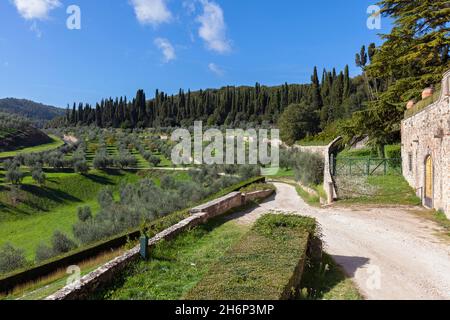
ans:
(17, 132)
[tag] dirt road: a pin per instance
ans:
(388, 252)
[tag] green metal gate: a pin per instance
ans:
(365, 166)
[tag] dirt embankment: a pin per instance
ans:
(28, 137)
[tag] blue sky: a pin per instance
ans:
(124, 45)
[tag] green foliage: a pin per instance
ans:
(326, 280)
(296, 122)
(413, 57)
(14, 175)
(393, 151)
(38, 175)
(308, 167)
(175, 266)
(44, 253)
(274, 226)
(61, 243)
(11, 258)
(262, 264)
(148, 201)
(84, 213)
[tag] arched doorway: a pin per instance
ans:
(429, 177)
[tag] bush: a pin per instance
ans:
(309, 169)
(393, 152)
(81, 166)
(11, 258)
(84, 213)
(44, 253)
(155, 161)
(14, 175)
(61, 243)
(38, 175)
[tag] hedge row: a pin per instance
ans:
(9, 282)
(267, 264)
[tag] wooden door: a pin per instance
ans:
(429, 175)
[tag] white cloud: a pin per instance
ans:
(166, 48)
(213, 28)
(214, 68)
(152, 12)
(35, 9)
(34, 27)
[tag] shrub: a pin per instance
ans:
(61, 243)
(11, 258)
(309, 168)
(393, 152)
(155, 161)
(84, 213)
(14, 175)
(44, 253)
(38, 175)
(81, 166)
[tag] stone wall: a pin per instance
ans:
(319, 150)
(200, 215)
(219, 206)
(257, 195)
(325, 152)
(424, 134)
(328, 182)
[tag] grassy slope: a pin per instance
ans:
(389, 189)
(56, 143)
(177, 266)
(53, 207)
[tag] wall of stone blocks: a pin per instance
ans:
(427, 133)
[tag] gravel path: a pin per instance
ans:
(390, 253)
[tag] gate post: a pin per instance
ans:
(330, 193)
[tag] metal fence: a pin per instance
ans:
(365, 166)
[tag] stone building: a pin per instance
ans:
(426, 149)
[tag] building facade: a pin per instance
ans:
(426, 150)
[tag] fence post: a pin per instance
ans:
(385, 166)
(368, 167)
(350, 167)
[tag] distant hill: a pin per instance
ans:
(37, 112)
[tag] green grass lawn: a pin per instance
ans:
(56, 143)
(389, 190)
(176, 266)
(284, 173)
(42, 210)
(312, 199)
